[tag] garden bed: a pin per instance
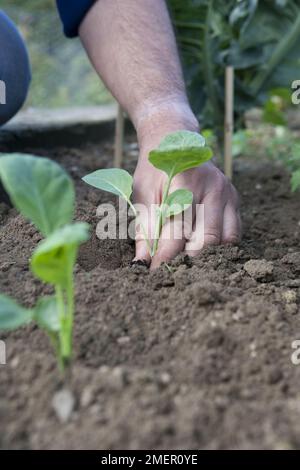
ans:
(199, 357)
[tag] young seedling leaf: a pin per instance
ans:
(54, 258)
(46, 314)
(113, 180)
(177, 202)
(179, 152)
(40, 189)
(13, 315)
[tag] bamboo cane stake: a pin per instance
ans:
(119, 138)
(229, 120)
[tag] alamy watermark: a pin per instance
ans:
(119, 224)
(296, 93)
(2, 92)
(295, 356)
(2, 353)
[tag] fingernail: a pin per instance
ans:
(139, 262)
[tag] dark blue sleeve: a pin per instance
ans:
(72, 13)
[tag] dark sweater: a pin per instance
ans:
(72, 13)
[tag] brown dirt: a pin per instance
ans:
(195, 358)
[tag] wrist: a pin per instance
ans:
(157, 119)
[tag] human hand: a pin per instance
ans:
(219, 222)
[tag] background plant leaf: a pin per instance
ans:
(259, 38)
(13, 315)
(40, 189)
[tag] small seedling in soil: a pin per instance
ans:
(178, 152)
(44, 194)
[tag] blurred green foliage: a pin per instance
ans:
(276, 142)
(61, 72)
(274, 111)
(259, 38)
(286, 148)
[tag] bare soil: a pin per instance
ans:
(199, 357)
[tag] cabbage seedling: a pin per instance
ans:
(44, 194)
(178, 152)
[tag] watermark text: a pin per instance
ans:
(2, 92)
(2, 353)
(296, 93)
(122, 224)
(295, 356)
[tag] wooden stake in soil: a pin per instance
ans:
(229, 120)
(119, 138)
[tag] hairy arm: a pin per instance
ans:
(132, 46)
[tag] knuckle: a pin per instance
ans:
(220, 184)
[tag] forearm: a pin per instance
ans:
(132, 46)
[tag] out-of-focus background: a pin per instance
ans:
(259, 38)
(62, 75)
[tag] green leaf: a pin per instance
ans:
(12, 315)
(113, 180)
(40, 189)
(179, 152)
(177, 202)
(46, 314)
(54, 258)
(295, 180)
